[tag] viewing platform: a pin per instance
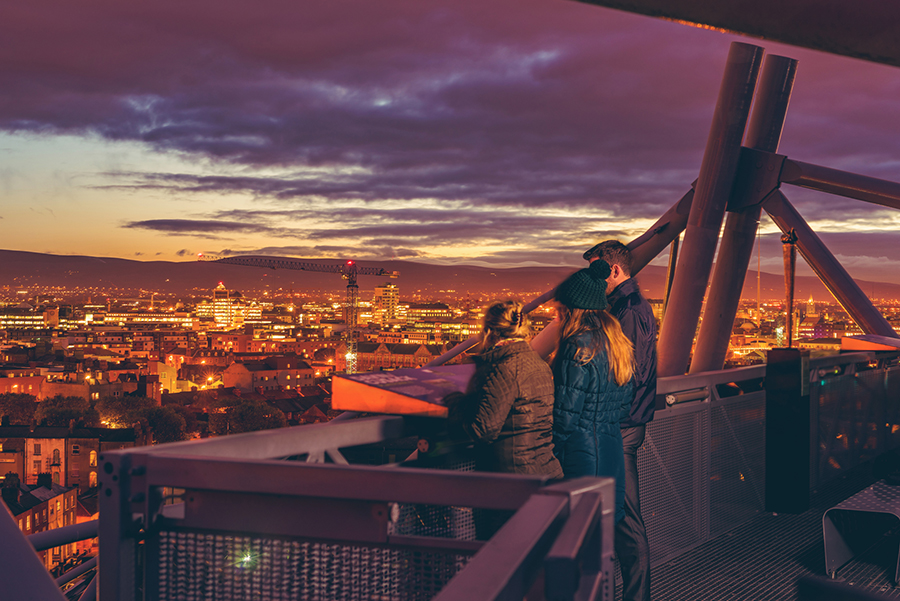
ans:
(301, 513)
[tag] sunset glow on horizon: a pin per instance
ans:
(504, 133)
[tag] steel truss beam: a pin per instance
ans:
(826, 266)
(764, 133)
(717, 172)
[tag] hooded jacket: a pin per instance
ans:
(508, 411)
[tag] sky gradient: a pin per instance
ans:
(506, 132)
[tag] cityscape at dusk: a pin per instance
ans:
(408, 300)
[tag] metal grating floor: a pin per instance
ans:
(763, 558)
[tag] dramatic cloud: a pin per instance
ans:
(518, 130)
(195, 227)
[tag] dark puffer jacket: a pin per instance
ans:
(589, 404)
(508, 411)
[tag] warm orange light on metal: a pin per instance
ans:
(348, 395)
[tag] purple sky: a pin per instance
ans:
(506, 132)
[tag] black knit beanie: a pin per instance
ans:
(586, 289)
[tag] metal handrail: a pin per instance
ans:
(579, 538)
(284, 442)
(77, 571)
(674, 384)
(57, 537)
(500, 570)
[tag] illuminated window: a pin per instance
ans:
(93, 480)
(93, 460)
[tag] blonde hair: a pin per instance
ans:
(606, 331)
(504, 319)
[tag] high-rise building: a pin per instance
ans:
(229, 308)
(385, 303)
(221, 301)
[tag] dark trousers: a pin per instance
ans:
(631, 546)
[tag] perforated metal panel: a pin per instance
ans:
(737, 462)
(892, 407)
(854, 420)
(435, 520)
(673, 469)
(441, 521)
(195, 566)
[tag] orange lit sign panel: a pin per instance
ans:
(402, 391)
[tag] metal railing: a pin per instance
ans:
(245, 524)
(703, 463)
(229, 518)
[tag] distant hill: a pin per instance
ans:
(25, 270)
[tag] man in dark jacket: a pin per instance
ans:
(639, 325)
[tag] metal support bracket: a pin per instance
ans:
(758, 175)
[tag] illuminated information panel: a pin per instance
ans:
(402, 391)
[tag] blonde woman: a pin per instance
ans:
(592, 371)
(508, 407)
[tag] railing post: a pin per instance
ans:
(763, 133)
(788, 427)
(714, 185)
(116, 577)
(789, 254)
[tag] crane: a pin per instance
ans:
(349, 270)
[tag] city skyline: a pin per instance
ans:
(507, 133)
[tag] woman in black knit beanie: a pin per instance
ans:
(592, 371)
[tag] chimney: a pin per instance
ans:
(11, 494)
(45, 480)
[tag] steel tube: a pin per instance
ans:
(789, 254)
(90, 593)
(23, 575)
(563, 572)
(661, 234)
(407, 485)
(670, 272)
(270, 444)
(739, 236)
(474, 340)
(77, 571)
(850, 185)
(830, 271)
(63, 536)
(507, 564)
(713, 188)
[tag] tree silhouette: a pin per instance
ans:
(248, 416)
(61, 410)
(165, 424)
(18, 407)
(124, 411)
